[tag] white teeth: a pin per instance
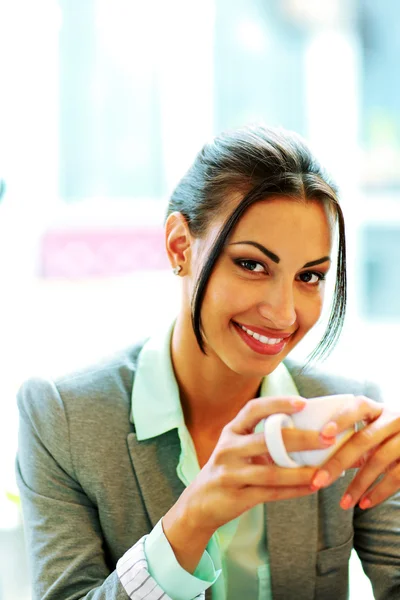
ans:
(261, 338)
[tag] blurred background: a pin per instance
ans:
(103, 106)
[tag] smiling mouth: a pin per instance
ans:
(262, 344)
(264, 339)
(261, 338)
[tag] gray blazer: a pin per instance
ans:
(90, 490)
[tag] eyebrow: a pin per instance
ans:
(276, 258)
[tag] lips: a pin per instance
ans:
(265, 344)
(269, 333)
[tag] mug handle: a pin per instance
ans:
(273, 438)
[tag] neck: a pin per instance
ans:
(211, 393)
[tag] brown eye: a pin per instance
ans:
(250, 265)
(311, 277)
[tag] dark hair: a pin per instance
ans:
(258, 162)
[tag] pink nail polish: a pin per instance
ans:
(298, 404)
(365, 503)
(328, 441)
(329, 429)
(321, 479)
(346, 501)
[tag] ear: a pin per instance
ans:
(178, 241)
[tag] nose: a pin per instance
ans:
(278, 305)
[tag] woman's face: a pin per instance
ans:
(266, 290)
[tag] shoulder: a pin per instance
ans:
(316, 381)
(78, 425)
(101, 389)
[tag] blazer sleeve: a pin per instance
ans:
(377, 539)
(63, 533)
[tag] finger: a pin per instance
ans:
(262, 459)
(261, 408)
(361, 461)
(296, 440)
(352, 451)
(253, 444)
(247, 446)
(387, 486)
(384, 459)
(267, 476)
(360, 408)
(259, 495)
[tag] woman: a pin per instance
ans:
(148, 476)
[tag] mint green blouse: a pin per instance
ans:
(235, 561)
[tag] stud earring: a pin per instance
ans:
(177, 270)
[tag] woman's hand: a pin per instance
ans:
(375, 449)
(238, 476)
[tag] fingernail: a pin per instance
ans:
(298, 403)
(329, 429)
(327, 441)
(321, 479)
(365, 503)
(346, 501)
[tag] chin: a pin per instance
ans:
(257, 369)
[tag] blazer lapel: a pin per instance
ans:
(154, 463)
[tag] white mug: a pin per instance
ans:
(316, 413)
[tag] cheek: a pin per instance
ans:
(218, 300)
(229, 297)
(310, 310)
